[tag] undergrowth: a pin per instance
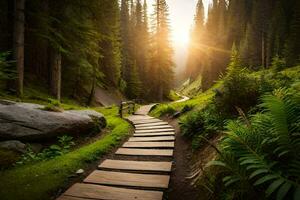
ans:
(42, 179)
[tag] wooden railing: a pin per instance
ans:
(128, 106)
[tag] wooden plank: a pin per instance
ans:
(148, 139)
(64, 197)
(153, 127)
(153, 134)
(151, 124)
(144, 110)
(139, 117)
(145, 152)
(149, 144)
(146, 121)
(128, 179)
(154, 130)
(100, 192)
(136, 165)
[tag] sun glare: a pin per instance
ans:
(180, 37)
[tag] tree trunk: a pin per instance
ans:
(56, 75)
(92, 93)
(263, 51)
(18, 44)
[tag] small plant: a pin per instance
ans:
(64, 145)
(278, 63)
(264, 150)
(53, 106)
(192, 124)
(6, 71)
(166, 110)
(66, 142)
(173, 96)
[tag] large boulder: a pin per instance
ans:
(29, 122)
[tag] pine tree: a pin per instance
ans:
(145, 48)
(162, 52)
(292, 47)
(196, 54)
(109, 27)
(125, 38)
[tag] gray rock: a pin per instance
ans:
(28, 122)
(13, 145)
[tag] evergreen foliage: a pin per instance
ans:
(73, 47)
(261, 30)
(273, 165)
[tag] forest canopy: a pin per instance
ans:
(71, 47)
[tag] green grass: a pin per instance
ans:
(40, 180)
(192, 88)
(40, 96)
(173, 96)
(198, 102)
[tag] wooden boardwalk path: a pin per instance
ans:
(139, 170)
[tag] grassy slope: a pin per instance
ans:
(197, 102)
(39, 180)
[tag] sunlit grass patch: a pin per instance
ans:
(42, 179)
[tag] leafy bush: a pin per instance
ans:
(264, 152)
(173, 96)
(166, 110)
(53, 106)
(278, 63)
(64, 144)
(6, 71)
(201, 124)
(240, 88)
(192, 124)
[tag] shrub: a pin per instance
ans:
(173, 96)
(278, 63)
(166, 110)
(201, 124)
(64, 145)
(265, 150)
(240, 88)
(6, 71)
(53, 106)
(192, 124)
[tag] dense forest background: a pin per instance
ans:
(261, 31)
(68, 48)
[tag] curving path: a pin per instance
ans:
(139, 170)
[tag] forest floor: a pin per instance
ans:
(186, 161)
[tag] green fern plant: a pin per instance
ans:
(267, 150)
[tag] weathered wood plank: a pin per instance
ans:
(100, 192)
(151, 124)
(146, 121)
(139, 117)
(148, 139)
(153, 134)
(145, 152)
(154, 130)
(144, 110)
(149, 144)
(136, 165)
(153, 127)
(128, 179)
(64, 197)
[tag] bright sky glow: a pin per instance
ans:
(181, 20)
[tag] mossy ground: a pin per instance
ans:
(40, 180)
